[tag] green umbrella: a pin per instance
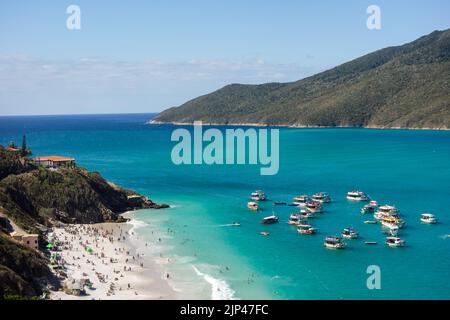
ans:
(89, 249)
(50, 246)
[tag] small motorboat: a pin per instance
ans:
(394, 242)
(301, 200)
(253, 206)
(264, 233)
(321, 197)
(373, 203)
(314, 206)
(350, 233)
(371, 242)
(258, 195)
(428, 218)
(279, 203)
(269, 220)
(370, 222)
(306, 229)
(357, 196)
(332, 242)
(295, 218)
(368, 209)
(235, 224)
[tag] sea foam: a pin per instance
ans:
(220, 290)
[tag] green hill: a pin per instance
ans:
(404, 86)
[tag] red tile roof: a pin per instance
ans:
(54, 159)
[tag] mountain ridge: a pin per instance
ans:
(403, 86)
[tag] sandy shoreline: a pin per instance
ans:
(116, 266)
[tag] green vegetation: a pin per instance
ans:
(35, 198)
(405, 86)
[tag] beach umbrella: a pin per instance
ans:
(89, 249)
(50, 246)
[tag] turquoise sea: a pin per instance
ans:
(410, 169)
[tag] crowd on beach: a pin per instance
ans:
(99, 257)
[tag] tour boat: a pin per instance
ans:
(301, 200)
(269, 220)
(392, 222)
(295, 218)
(314, 206)
(368, 209)
(306, 229)
(305, 214)
(253, 206)
(386, 211)
(394, 242)
(332, 242)
(428, 218)
(258, 195)
(357, 196)
(321, 197)
(349, 233)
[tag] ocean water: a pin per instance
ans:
(205, 257)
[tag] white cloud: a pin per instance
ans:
(30, 85)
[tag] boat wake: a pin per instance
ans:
(220, 290)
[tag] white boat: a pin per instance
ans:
(253, 206)
(357, 196)
(392, 222)
(269, 220)
(313, 206)
(295, 218)
(428, 218)
(373, 203)
(321, 197)
(306, 229)
(301, 200)
(258, 195)
(394, 242)
(367, 209)
(332, 242)
(350, 233)
(386, 211)
(305, 214)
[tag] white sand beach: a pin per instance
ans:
(102, 254)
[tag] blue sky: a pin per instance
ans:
(145, 56)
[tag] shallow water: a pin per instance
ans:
(410, 169)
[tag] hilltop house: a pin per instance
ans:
(29, 240)
(54, 161)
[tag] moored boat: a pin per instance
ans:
(269, 220)
(301, 200)
(428, 218)
(386, 211)
(295, 218)
(357, 196)
(321, 197)
(350, 233)
(306, 229)
(367, 209)
(258, 195)
(332, 242)
(252, 206)
(394, 242)
(392, 222)
(313, 206)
